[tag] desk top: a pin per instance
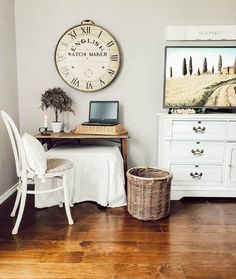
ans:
(64, 135)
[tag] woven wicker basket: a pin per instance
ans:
(149, 193)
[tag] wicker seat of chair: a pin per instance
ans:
(57, 165)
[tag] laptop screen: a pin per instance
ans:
(103, 111)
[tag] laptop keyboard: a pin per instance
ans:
(98, 124)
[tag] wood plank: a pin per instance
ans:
(68, 245)
(163, 257)
(148, 271)
(60, 270)
(160, 257)
(207, 271)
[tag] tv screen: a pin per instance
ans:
(200, 77)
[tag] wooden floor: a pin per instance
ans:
(198, 240)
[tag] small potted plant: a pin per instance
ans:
(58, 100)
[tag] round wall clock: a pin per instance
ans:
(87, 57)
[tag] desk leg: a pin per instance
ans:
(124, 153)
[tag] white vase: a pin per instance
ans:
(56, 127)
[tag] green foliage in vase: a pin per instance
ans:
(56, 99)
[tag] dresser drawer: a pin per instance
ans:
(199, 129)
(232, 130)
(191, 175)
(197, 152)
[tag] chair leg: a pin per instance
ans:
(66, 198)
(70, 199)
(20, 213)
(18, 195)
(60, 203)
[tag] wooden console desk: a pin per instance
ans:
(51, 140)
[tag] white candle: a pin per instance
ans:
(45, 121)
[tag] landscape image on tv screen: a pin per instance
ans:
(200, 77)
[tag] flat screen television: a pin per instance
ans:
(200, 77)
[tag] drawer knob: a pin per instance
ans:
(196, 175)
(199, 129)
(197, 152)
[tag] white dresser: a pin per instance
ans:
(200, 150)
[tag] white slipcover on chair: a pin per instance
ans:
(31, 163)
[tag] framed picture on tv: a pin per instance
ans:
(197, 77)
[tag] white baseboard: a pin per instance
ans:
(8, 193)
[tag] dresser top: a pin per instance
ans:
(207, 116)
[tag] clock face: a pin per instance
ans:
(87, 57)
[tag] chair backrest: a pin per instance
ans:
(17, 145)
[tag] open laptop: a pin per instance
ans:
(103, 113)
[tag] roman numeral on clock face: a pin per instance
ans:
(89, 85)
(86, 30)
(101, 82)
(75, 82)
(72, 34)
(109, 44)
(111, 72)
(65, 71)
(114, 57)
(64, 44)
(60, 58)
(100, 33)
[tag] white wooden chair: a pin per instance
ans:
(55, 168)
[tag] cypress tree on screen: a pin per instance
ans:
(184, 68)
(219, 63)
(190, 66)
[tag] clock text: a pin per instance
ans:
(84, 53)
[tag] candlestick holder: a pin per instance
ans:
(44, 131)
